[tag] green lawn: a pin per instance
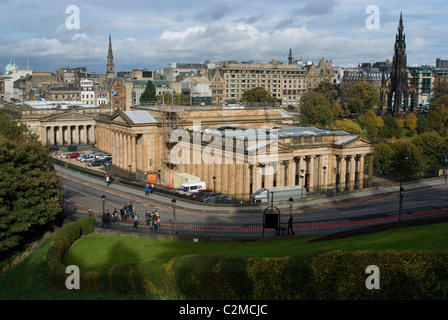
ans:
(28, 279)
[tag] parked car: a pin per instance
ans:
(107, 163)
(200, 194)
(95, 163)
(103, 156)
(73, 155)
(83, 156)
(208, 196)
(223, 198)
(87, 159)
(98, 155)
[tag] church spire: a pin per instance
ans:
(110, 61)
(290, 57)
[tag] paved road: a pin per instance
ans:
(86, 191)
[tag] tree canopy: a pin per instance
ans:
(362, 96)
(315, 110)
(258, 94)
(149, 95)
(30, 194)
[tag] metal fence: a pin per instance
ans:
(254, 230)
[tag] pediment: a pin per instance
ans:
(69, 116)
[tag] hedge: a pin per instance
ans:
(326, 275)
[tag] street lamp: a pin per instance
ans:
(303, 185)
(291, 201)
(173, 202)
(214, 184)
(103, 198)
(325, 171)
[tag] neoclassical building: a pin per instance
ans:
(235, 151)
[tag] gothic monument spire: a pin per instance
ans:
(399, 95)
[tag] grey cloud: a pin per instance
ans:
(213, 13)
(317, 8)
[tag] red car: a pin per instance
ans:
(73, 155)
(200, 193)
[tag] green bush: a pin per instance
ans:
(61, 242)
(324, 275)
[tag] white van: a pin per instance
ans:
(191, 187)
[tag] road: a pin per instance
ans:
(86, 192)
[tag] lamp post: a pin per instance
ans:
(173, 202)
(291, 201)
(325, 171)
(103, 198)
(214, 184)
(303, 177)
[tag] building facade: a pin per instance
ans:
(244, 149)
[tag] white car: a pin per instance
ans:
(88, 159)
(103, 156)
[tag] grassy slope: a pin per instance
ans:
(28, 279)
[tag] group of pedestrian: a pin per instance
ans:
(149, 189)
(153, 220)
(128, 212)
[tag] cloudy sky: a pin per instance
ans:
(46, 35)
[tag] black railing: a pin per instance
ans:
(254, 230)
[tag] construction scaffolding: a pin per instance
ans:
(170, 115)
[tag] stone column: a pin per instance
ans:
(246, 181)
(312, 178)
(133, 154)
(291, 173)
(361, 171)
(343, 173)
(352, 172)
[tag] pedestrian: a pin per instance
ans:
(108, 219)
(115, 216)
(147, 190)
(148, 218)
(126, 211)
(135, 219)
(152, 188)
(290, 225)
(154, 221)
(158, 220)
(122, 214)
(107, 180)
(131, 209)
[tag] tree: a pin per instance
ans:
(422, 124)
(383, 159)
(407, 158)
(331, 91)
(410, 122)
(258, 94)
(390, 128)
(362, 96)
(347, 125)
(438, 114)
(372, 122)
(429, 144)
(149, 95)
(30, 193)
(315, 110)
(336, 110)
(179, 99)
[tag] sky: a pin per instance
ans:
(45, 35)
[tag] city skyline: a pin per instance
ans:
(44, 36)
